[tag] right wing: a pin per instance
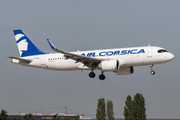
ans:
(87, 61)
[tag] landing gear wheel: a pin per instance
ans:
(152, 72)
(102, 77)
(92, 74)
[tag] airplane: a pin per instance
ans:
(119, 60)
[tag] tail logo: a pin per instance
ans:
(18, 36)
(25, 45)
(22, 44)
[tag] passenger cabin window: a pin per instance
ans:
(162, 51)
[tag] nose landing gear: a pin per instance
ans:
(152, 71)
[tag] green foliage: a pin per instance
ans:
(76, 119)
(28, 117)
(15, 118)
(4, 115)
(101, 109)
(135, 109)
(127, 108)
(139, 102)
(55, 117)
(65, 118)
(110, 112)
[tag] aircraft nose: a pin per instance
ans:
(171, 56)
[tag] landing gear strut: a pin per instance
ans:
(92, 74)
(101, 76)
(152, 71)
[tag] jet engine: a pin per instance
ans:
(125, 71)
(111, 65)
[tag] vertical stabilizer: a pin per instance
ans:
(25, 45)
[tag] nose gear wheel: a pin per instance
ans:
(152, 71)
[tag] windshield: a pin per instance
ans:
(162, 51)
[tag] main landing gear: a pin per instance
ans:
(152, 71)
(92, 74)
(101, 76)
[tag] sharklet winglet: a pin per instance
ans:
(51, 44)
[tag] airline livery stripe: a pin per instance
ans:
(18, 36)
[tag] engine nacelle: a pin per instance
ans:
(125, 71)
(110, 65)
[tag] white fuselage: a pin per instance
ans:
(135, 56)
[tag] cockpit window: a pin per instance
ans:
(162, 51)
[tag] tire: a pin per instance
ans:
(152, 72)
(92, 75)
(102, 77)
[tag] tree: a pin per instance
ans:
(139, 102)
(67, 118)
(110, 112)
(15, 118)
(76, 119)
(55, 117)
(127, 108)
(135, 109)
(4, 115)
(101, 109)
(28, 117)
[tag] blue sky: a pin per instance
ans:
(88, 25)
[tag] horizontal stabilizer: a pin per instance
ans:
(21, 59)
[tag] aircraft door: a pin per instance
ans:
(149, 51)
(43, 60)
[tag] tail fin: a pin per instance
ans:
(25, 45)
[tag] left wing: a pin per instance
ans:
(87, 61)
